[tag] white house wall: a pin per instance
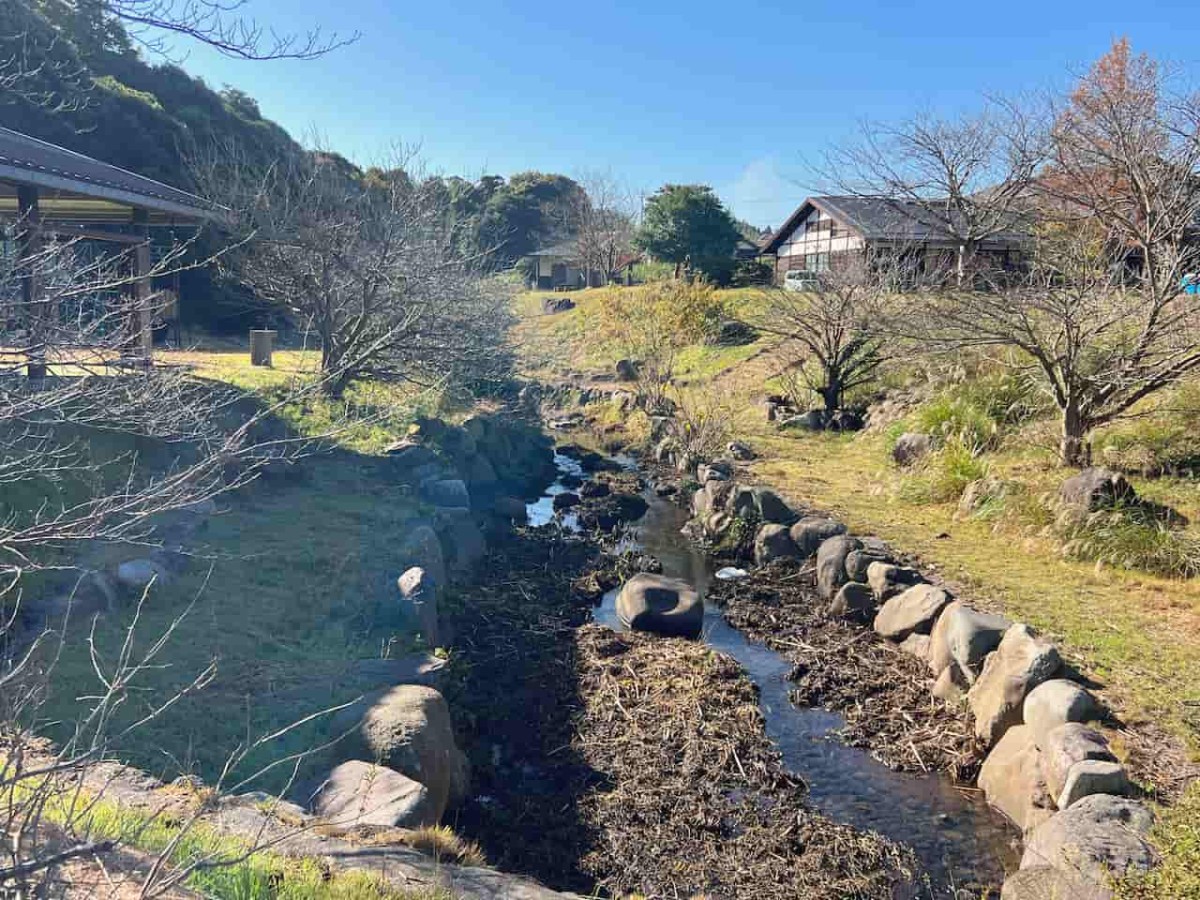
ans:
(801, 241)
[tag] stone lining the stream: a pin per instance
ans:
(1030, 715)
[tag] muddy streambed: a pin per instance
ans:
(958, 839)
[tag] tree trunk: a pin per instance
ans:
(832, 395)
(1073, 449)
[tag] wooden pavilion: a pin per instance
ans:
(47, 190)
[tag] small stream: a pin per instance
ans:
(961, 842)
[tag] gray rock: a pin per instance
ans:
(887, 580)
(913, 611)
(660, 605)
(718, 494)
(463, 543)
(916, 645)
(951, 685)
(1049, 883)
(811, 532)
(1097, 839)
(910, 448)
(859, 561)
(422, 548)
(407, 728)
(360, 793)
(854, 601)
(1067, 745)
(626, 370)
(1093, 776)
(701, 504)
(512, 509)
(139, 574)
(481, 474)
(971, 636)
(419, 598)
(1020, 663)
(1011, 779)
(741, 503)
(1056, 702)
(813, 420)
(831, 563)
(408, 455)
(939, 646)
(739, 451)
(772, 508)
(1094, 489)
(773, 542)
(446, 492)
(720, 470)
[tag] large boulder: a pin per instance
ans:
(407, 455)
(660, 605)
(1098, 839)
(887, 580)
(1056, 702)
(361, 793)
(910, 448)
(811, 532)
(407, 728)
(1011, 779)
(422, 548)
(831, 563)
(854, 601)
(1067, 745)
(773, 542)
(419, 596)
(971, 635)
(1020, 663)
(1094, 489)
(913, 611)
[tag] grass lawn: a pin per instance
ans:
(293, 581)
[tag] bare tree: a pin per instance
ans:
(218, 24)
(368, 264)
(965, 179)
(1105, 315)
(831, 332)
(602, 220)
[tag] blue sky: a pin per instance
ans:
(741, 96)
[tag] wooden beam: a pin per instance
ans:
(142, 288)
(29, 245)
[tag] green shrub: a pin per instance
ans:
(948, 418)
(1132, 537)
(944, 474)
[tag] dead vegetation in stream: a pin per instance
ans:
(881, 692)
(631, 764)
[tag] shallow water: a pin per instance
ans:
(960, 841)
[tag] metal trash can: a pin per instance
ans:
(261, 344)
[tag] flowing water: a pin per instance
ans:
(961, 843)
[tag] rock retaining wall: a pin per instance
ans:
(1045, 768)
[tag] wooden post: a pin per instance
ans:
(143, 315)
(29, 242)
(261, 344)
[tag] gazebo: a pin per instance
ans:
(49, 190)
